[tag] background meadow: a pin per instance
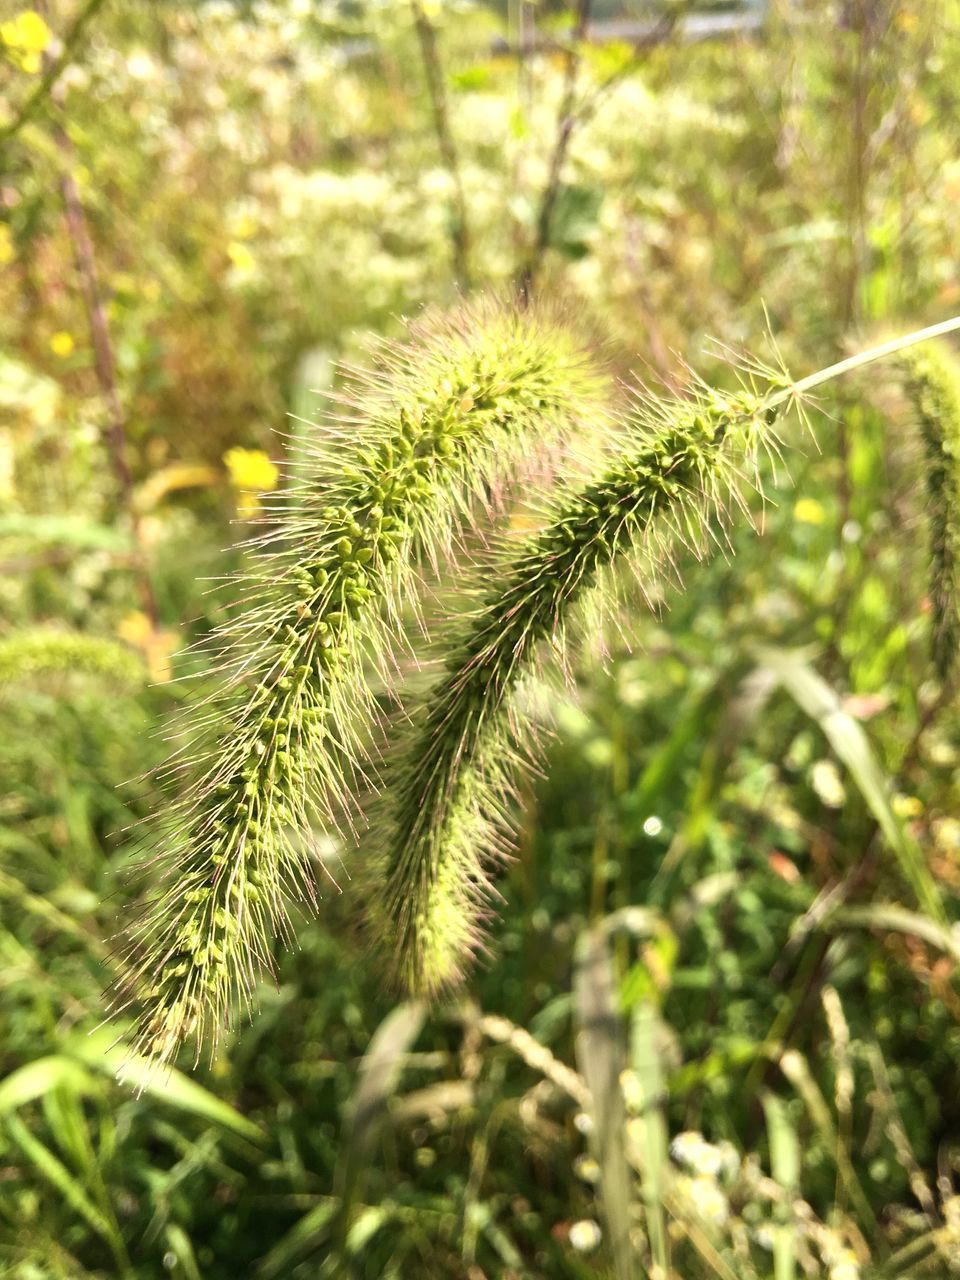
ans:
(716, 1030)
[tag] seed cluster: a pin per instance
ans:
(447, 416)
(452, 776)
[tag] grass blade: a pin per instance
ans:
(378, 1073)
(883, 915)
(785, 1167)
(60, 1177)
(647, 1062)
(600, 1053)
(37, 1078)
(167, 1085)
(846, 736)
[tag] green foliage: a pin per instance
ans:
(715, 1029)
(63, 653)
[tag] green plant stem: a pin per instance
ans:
(436, 87)
(863, 358)
(566, 124)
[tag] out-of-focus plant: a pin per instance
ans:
(264, 185)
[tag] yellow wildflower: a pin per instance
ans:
(251, 473)
(7, 250)
(244, 227)
(62, 344)
(241, 257)
(907, 806)
(8, 485)
(25, 37)
(808, 511)
(251, 469)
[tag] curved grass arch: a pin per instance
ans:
(445, 817)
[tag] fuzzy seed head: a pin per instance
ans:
(445, 815)
(277, 750)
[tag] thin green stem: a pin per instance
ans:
(870, 356)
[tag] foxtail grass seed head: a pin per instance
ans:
(278, 748)
(931, 378)
(445, 815)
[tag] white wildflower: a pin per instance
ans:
(632, 1090)
(846, 1267)
(585, 1235)
(765, 1236)
(702, 1157)
(583, 1123)
(685, 1146)
(704, 1198)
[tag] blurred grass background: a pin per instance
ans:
(203, 207)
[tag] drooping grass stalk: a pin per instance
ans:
(446, 811)
(932, 381)
(282, 744)
(446, 815)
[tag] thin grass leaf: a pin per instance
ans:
(364, 1227)
(15, 892)
(307, 1234)
(646, 1061)
(381, 1065)
(702, 1243)
(117, 1062)
(785, 1167)
(846, 736)
(601, 1056)
(890, 916)
(797, 1070)
(179, 1244)
(932, 381)
(367, 1108)
(37, 1078)
(66, 1121)
(69, 1186)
